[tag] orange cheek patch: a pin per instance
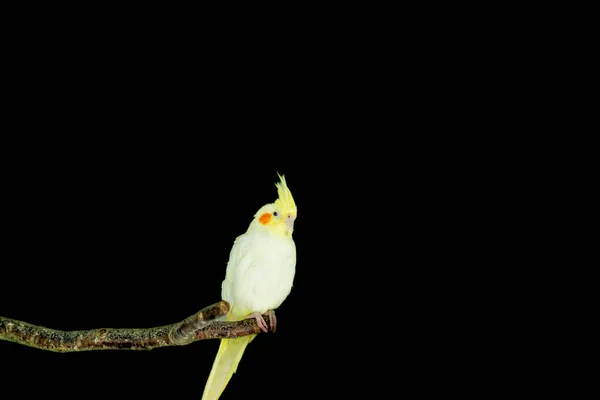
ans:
(265, 218)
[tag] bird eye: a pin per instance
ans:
(275, 213)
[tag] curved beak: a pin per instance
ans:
(289, 223)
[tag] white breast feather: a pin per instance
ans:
(260, 273)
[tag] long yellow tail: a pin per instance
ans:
(229, 355)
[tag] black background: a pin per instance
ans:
(126, 220)
(108, 232)
(128, 171)
(111, 227)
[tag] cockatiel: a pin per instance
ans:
(259, 277)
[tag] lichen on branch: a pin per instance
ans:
(202, 325)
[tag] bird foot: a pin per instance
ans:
(262, 324)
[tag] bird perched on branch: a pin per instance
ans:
(259, 277)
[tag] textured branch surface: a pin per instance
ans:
(199, 326)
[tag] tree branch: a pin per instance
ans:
(199, 326)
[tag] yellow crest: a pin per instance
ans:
(285, 202)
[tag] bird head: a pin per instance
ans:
(279, 216)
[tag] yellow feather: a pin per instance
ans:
(226, 363)
(285, 201)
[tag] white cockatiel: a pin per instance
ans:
(259, 277)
